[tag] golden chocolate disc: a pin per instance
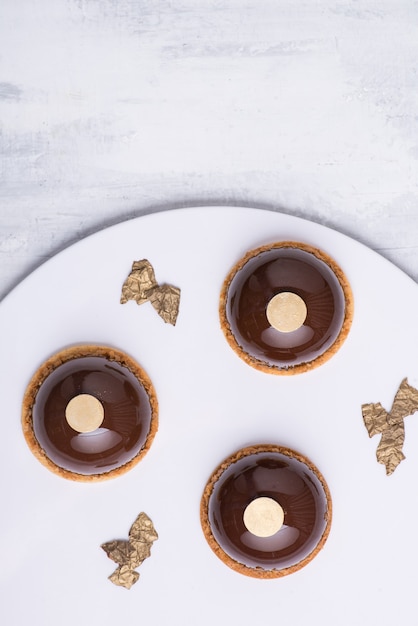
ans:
(84, 413)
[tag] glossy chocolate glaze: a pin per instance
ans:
(127, 415)
(285, 269)
(289, 482)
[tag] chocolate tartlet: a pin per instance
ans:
(266, 511)
(90, 413)
(286, 307)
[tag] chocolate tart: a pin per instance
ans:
(266, 511)
(286, 307)
(89, 413)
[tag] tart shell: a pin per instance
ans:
(260, 572)
(47, 368)
(287, 369)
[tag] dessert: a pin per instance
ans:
(266, 511)
(89, 413)
(286, 307)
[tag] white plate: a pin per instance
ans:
(53, 570)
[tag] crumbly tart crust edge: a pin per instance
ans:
(259, 572)
(65, 355)
(301, 367)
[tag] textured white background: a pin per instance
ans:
(113, 108)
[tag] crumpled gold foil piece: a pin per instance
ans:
(131, 553)
(141, 286)
(391, 425)
(165, 301)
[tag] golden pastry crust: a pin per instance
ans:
(47, 368)
(301, 367)
(258, 572)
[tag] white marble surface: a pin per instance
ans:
(113, 108)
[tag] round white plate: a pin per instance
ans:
(53, 570)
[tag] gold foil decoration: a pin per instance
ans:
(131, 553)
(391, 425)
(141, 286)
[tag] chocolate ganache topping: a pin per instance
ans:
(90, 411)
(286, 307)
(266, 511)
